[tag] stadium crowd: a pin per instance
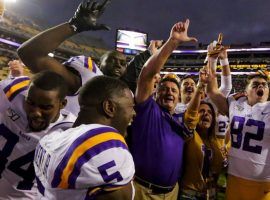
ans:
(121, 131)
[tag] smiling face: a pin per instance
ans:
(113, 64)
(187, 90)
(125, 112)
(257, 90)
(168, 95)
(42, 107)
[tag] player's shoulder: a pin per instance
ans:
(83, 63)
(66, 121)
(93, 149)
(239, 97)
(12, 87)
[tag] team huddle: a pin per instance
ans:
(76, 130)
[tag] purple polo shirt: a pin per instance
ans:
(156, 146)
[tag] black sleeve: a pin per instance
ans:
(134, 68)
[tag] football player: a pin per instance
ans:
(29, 110)
(90, 160)
(77, 70)
(249, 115)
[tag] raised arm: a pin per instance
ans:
(212, 89)
(135, 66)
(34, 52)
(156, 62)
(226, 77)
(191, 117)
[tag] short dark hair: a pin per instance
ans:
(109, 53)
(49, 80)
(99, 89)
(170, 80)
(257, 75)
(194, 78)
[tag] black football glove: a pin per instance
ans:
(86, 15)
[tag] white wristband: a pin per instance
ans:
(224, 62)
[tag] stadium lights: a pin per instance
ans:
(229, 50)
(51, 55)
(197, 73)
(10, 1)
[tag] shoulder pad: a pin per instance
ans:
(238, 95)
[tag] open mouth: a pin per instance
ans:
(206, 119)
(168, 99)
(117, 72)
(189, 90)
(260, 92)
(36, 124)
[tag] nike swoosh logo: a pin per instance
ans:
(265, 113)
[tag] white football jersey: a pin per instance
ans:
(221, 125)
(86, 69)
(81, 161)
(249, 155)
(17, 143)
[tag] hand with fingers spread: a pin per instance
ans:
(87, 14)
(179, 33)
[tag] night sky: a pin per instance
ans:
(240, 21)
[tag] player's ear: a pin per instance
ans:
(63, 103)
(109, 108)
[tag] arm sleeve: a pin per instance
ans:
(226, 85)
(191, 119)
(134, 68)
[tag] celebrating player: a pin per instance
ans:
(92, 159)
(27, 114)
(249, 126)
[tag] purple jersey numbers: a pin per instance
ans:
(237, 134)
(103, 171)
(11, 141)
(17, 166)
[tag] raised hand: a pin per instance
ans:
(154, 46)
(204, 75)
(87, 14)
(179, 32)
(16, 68)
(216, 49)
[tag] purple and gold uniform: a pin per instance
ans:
(86, 69)
(82, 161)
(249, 155)
(17, 143)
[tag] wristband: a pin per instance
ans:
(224, 62)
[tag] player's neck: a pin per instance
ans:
(89, 119)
